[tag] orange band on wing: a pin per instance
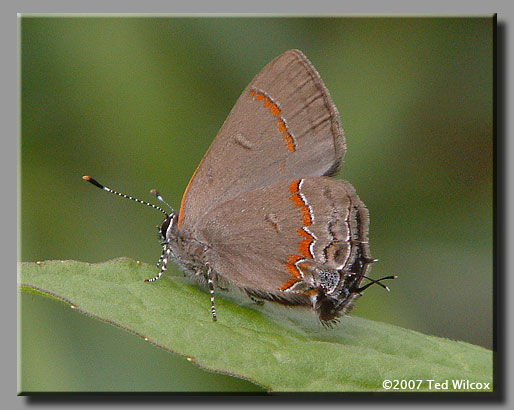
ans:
(274, 109)
(182, 203)
(289, 142)
(288, 284)
(304, 248)
(281, 125)
(305, 234)
(294, 187)
(306, 216)
(293, 270)
(294, 258)
(297, 200)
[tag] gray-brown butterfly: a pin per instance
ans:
(261, 213)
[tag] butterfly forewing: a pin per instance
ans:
(283, 126)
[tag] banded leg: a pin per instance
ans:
(164, 264)
(210, 283)
(161, 257)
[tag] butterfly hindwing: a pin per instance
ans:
(263, 239)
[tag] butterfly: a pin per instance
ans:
(262, 213)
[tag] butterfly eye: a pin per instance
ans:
(165, 225)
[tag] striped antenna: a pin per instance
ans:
(112, 191)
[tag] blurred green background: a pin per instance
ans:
(135, 102)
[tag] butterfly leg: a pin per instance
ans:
(161, 257)
(163, 260)
(210, 284)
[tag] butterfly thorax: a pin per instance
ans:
(179, 245)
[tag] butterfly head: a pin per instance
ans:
(168, 227)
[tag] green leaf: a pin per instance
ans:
(281, 355)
